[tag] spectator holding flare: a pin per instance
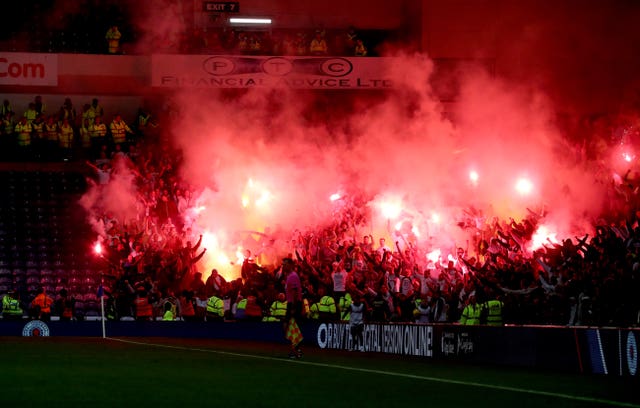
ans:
(293, 291)
(402, 277)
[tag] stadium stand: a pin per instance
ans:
(42, 232)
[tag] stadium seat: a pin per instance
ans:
(35, 213)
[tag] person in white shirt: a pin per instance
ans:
(339, 278)
(383, 247)
(356, 323)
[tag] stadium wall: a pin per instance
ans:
(123, 83)
(605, 351)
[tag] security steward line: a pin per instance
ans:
(392, 374)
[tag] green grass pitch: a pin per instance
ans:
(94, 372)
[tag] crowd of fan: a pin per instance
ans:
(152, 267)
(100, 28)
(317, 42)
(39, 133)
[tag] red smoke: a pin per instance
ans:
(272, 158)
(264, 167)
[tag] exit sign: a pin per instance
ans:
(221, 6)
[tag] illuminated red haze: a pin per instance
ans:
(268, 164)
(416, 174)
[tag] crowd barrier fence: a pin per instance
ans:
(605, 351)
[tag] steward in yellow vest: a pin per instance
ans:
(119, 130)
(215, 309)
(343, 305)
(493, 312)
(24, 129)
(314, 312)
(169, 314)
(11, 307)
(471, 313)
(327, 308)
(278, 310)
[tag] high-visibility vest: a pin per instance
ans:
(113, 39)
(31, 115)
(8, 126)
(119, 131)
(327, 307)
(174, 306)
(494, 312)
(277, 312)
(24, 133)
(314, 312)
(343, 304)
(95, 111)
(98, 130)
(84, 137)
(318, 46)
(11, 306)
(168, 316)
(88, 117)
(241, 307)
(66, 136)
(51, 131)
(38, 129)
(215, 306)
(471, 314)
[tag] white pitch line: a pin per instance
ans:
(393, 374)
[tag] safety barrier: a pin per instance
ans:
(606, 351)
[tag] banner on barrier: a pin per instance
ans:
(18, 68)
(612, 352)
(228, 71)
(411, 340)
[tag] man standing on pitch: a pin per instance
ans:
(293, 290)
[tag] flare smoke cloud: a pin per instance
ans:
(272, 158)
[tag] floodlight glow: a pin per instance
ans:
(247, 20)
